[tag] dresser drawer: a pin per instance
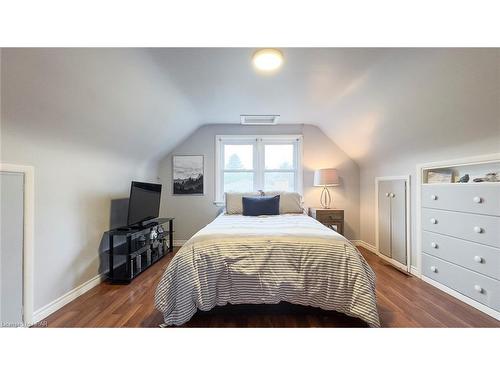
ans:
(478, 287)
(480, 258)
(478, 228)
(473, 198)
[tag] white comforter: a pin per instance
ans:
(264, 260)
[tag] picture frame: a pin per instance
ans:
(188, 174)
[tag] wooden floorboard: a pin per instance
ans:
(403, 301)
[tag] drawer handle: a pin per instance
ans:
(434, 197)
(478, 259)
(477, 200)
(434, 245)
(478, 288)
(478, 229)
(387, 195)
(434, 269)
(392, 195)
(433, 221)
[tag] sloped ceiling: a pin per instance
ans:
(374, 103)
(116, 100)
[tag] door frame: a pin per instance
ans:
(407, 179)
(28, 235)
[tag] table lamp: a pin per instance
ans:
(324, 178)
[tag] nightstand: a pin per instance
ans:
(332, 218)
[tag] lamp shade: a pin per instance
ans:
(326, 177)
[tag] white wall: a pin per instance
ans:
(448, 108)
(56, 108)
(73, 192)
(194, 212)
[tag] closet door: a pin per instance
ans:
(384, 217)
(11, 247)
(398, 220)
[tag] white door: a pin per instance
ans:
(384, 218)
(398, 221)
(392, 226)
(11, 248)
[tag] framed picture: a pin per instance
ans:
(187, 174)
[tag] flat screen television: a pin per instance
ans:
(144, 203)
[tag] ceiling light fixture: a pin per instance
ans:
(267, 59)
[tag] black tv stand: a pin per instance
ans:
(134, 249)
(134, 227)
(141, 225)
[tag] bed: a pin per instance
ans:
(240, 259)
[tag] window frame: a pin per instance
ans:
(259, 142)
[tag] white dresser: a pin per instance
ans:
(460, 241)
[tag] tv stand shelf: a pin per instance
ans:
(132, 250)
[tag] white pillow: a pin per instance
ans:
(290, 203)
(234, 202)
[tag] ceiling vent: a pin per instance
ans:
(259, 119)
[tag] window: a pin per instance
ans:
(251, 163)
(239, 173)
(279, 167)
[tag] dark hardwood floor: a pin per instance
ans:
(403, 301)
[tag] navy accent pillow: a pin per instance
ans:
(255, 206)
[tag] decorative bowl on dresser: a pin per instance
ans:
(332, 218)
(460, 237)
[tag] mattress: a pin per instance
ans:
(265, 260)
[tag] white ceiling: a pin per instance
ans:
(374, 103)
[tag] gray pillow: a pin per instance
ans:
(234, 205)
(290, 202)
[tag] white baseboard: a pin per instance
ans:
(55, 305)
(415, 272)
(395, 263)
(493, 313)
(66, 298)
(365, 245)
